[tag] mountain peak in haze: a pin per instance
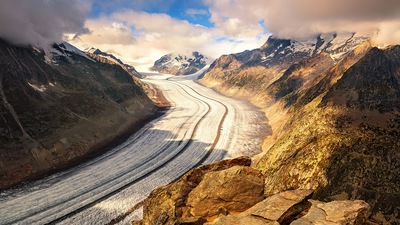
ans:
(99, 55)
(181, 63)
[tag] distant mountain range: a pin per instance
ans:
(183, 63)
(58, 106)
(333, 104)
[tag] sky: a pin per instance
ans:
(141, 31)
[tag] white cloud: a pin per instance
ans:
(140, 38)
(103, 31)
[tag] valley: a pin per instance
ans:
(200, 127)
(200, 112)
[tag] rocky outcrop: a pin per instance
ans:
(238, 189)
(230, 192)
(281, 208)
(168, 204)
(181, 63)
(59, 107)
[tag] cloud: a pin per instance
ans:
(237, 18)
(41, 22)
(306, 18)
(103, 31)
(140, 38)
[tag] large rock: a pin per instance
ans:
(235, 189)
(167, 204)
(337, 212)
(277, 209)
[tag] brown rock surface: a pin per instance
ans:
(191, 221)
(167, 204)
(247, 220)
(337, 212)
(277, 209)
(234, 189)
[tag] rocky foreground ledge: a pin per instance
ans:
(231, 192)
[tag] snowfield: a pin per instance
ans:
(201, 127)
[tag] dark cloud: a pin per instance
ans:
(41, 22)
(306, 18)
(355, 10)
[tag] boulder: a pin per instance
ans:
(277, 209)
(345, 212)
(234, 189)
(167, 204)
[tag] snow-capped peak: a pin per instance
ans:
(182, 62)
(336, 45)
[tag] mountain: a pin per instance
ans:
(59, 106)
(333, 105)
(97, 54)
(181, 63)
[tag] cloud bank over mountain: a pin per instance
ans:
(306, 18)
(41, 22)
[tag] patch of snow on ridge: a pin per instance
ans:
(337, 45)
(40, 88)
(183, 60)
(340, 40)
(75, 50)
(303, 46)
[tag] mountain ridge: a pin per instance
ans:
(60, 106)
(101, 56)
(331, 118)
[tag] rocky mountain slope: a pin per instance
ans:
(334, 110)
(57, 107)
(111, 59)
(181, 63)
(230, 192)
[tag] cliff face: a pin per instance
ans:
(59, 106)
(335, 120)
